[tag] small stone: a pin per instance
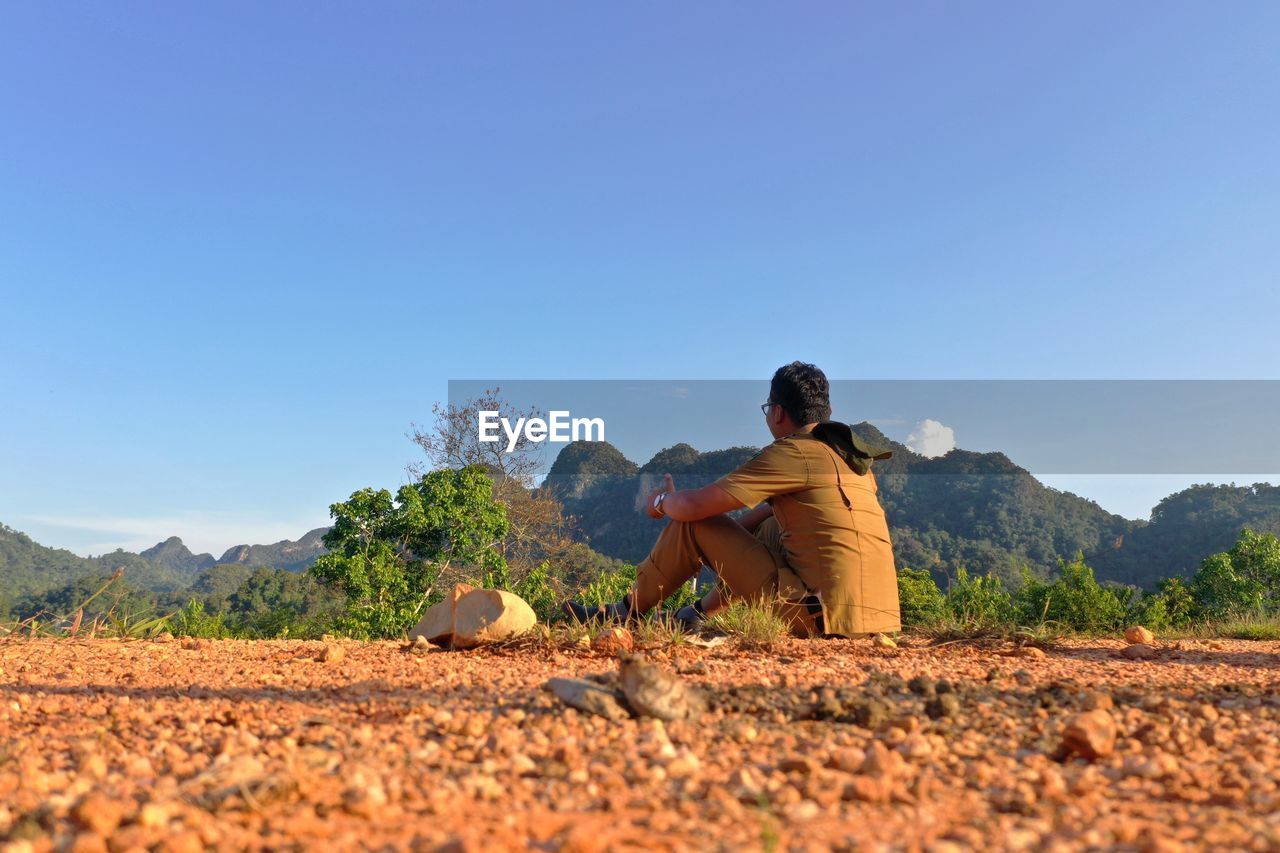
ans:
(849, 759)
(907, 722)
(923, 685)
(1091, 735)
(153, 815)
(883, 641)
(803, 810)
(1138, 651)
(93, 765)
(331, 653)
(98, 814)
(364, 800)
(684, 764)
(866, 789)
(872, 713)
(182, 842)
(1096, 700)
(652, 691)
(613, 641)
(1139, 634)
(588, 696)
(916, 748)
(1031, 653)
(748, 781)
(1207, 712)
(88, 842)
(883, 762)
(798, 765)
(943, 705)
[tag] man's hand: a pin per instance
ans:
(668, 485)
(691, 504)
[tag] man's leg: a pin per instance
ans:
(718, 542)
(741, 560)
(786, 593)
(769, 534)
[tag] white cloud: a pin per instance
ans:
(931, 438)
(199, 531)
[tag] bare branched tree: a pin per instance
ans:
(538, 526)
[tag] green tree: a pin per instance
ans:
(278, 602)
(390, 556)
(99, 596)
(536, 524)
(1244, 581)
(216, 584)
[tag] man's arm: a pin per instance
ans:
(691, 504)
(697, 504)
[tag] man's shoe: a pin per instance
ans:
(684, 618)
(585, 613)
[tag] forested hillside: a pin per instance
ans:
(35, 577)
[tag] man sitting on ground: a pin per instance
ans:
(816, 545)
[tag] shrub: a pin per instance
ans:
(979, 603)
(1179, 603)
(921, 601)
(1074, 600)
(193, 621)
(1151, 611)
(541, 591)
(610, 586)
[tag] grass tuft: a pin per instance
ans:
(754, 624)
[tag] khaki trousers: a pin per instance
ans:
(750, 567)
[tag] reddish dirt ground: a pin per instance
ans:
(131, 745)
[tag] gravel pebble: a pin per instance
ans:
(230, 745)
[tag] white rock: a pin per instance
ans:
(436, 625)
(490, 616)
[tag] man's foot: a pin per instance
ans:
(597, 612)
(690, 617)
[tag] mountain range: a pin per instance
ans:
(286, 554)
(29, 568)
(977, 510)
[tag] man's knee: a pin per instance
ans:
(712, 525)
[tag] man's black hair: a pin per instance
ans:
(803, 392)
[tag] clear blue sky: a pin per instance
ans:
(243, 245)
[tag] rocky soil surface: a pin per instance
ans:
(183, 746)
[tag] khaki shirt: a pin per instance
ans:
(834, 531)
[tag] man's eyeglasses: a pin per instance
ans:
(765, 407)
